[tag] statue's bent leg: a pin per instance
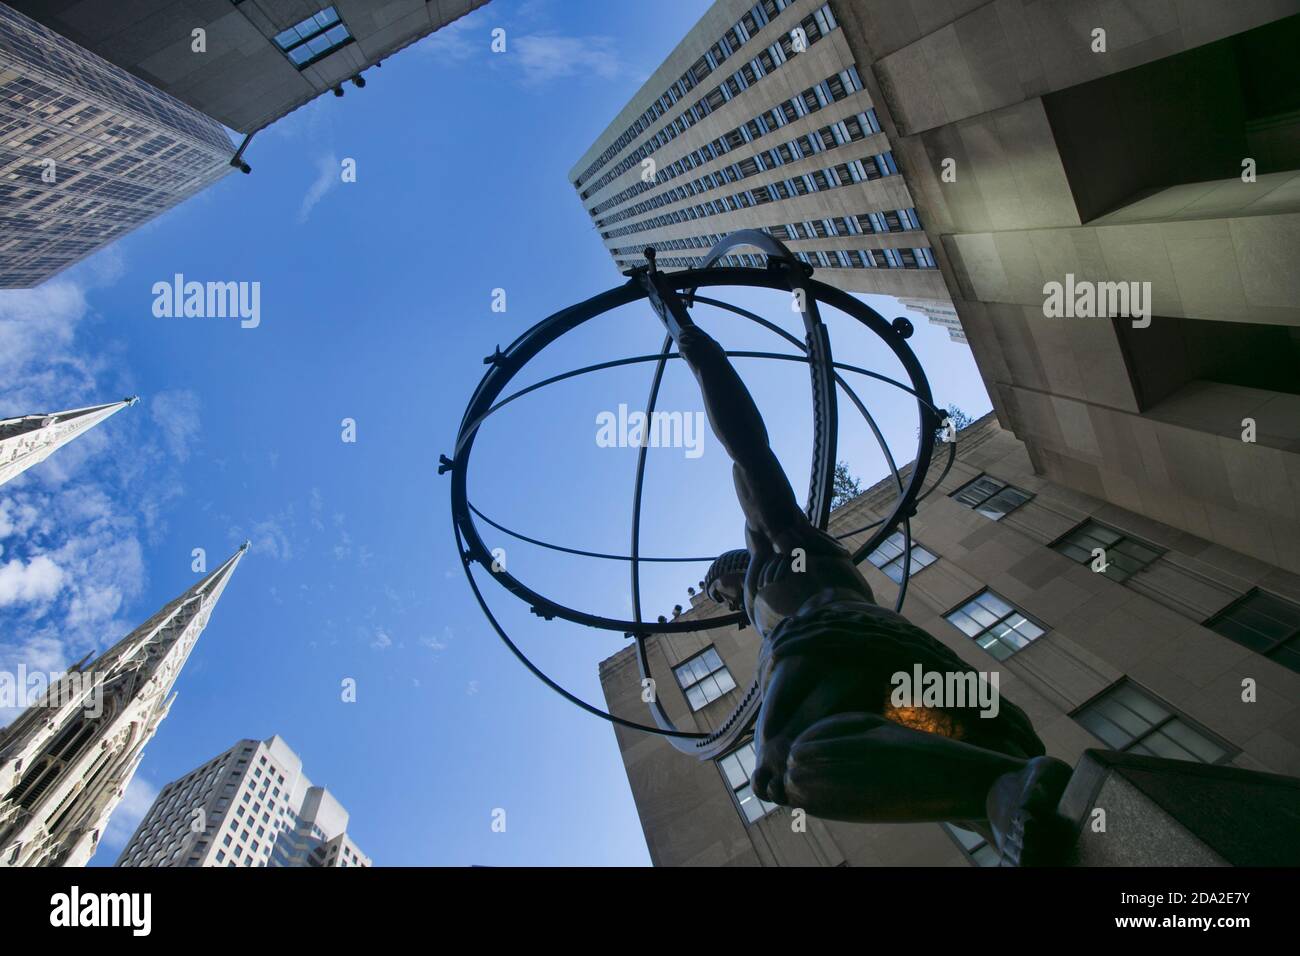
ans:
(862, 767)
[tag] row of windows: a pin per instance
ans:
(1125, 717)
(809, 101)
(831, 227)
(840, 133)
(1263, 622)
(917, 258)
(737, 36)
(862, 170)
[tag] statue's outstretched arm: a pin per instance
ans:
(764, 491)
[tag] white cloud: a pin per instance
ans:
(546, 57)
(460, 39)
(471, 688)
(328, 175)
(176, 413)
(135, 803)
(35, 582)
(382, 641)
(73, 526)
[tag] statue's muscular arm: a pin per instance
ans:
(772, 513)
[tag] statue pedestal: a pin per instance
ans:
(1160, 812)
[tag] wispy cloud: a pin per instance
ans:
(73, 529)
(328, 175)
(176, 413)
(535, 58)
(135, 803)
(543, 58)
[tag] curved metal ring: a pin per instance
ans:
(527, 346)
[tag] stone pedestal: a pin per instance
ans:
(1161, 812)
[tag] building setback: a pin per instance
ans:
(249, 806)
(759, 118)
(66, 761)
(89, 152)
(262, 58)
(1148, 656)
(1162, 169)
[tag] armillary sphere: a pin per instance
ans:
(783, 272)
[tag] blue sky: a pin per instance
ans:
(375, 306)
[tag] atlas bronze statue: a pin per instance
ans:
(828, 738)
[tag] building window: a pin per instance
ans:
(704, 678)
(1129, 719)
(1123, 556)
(889, 557)
(975, 847)
(314, 38)
(1266, 624)
(992, 498)
(738, 767)
(995, 625)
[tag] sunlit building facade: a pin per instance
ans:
(249, 806)
(759, 119)
(88, 152)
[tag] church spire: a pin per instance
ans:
(30, 439)
(67, 760)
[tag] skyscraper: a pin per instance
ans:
(760, 119)
(90, 152)
(29, 440)
(1151, 654)
(260, 59)
(67, 760)
(249, 806)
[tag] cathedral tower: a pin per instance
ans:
(67, 760)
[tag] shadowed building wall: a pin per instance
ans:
(1066, 162)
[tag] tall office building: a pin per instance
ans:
(67, 760)
(250, 806)
(260, 59)
(89, 152)
(1110, 192)
(30, 439)
(1152, 655)
(760, 119)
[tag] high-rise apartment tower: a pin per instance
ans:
(249, 806)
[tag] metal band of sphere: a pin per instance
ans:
(504, 366)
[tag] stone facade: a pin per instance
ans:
(1169, 158)
(1148, 633)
